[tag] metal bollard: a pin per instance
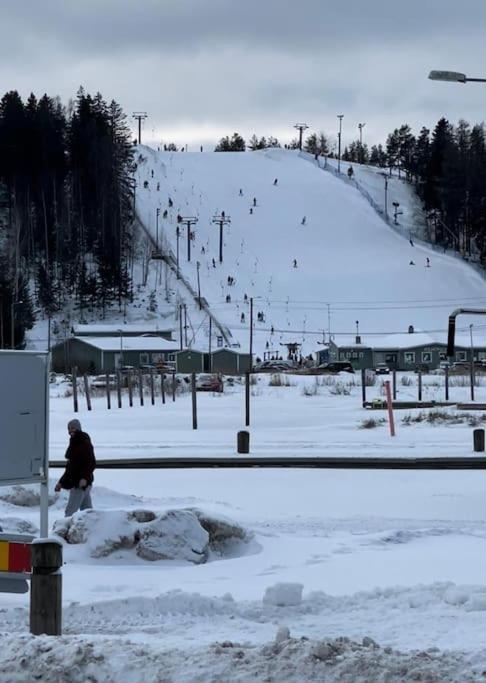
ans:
(478, 440)
(243, 442)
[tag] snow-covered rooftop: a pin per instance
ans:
(130, 343)
(115, 328)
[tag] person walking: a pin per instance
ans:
(78, 475)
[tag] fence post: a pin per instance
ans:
(140, 385)
(74, 373)
(173, 386)
(363, 386)
(247, 399)
(118, 388)
(194, 403)
(419, 385)
(472, 379)
(162, 386)
(152, 388)
(46, 588)
(389, 405)
(447, 383)
(394, 385)
(130, 389)
(108, 392)
(86, 391)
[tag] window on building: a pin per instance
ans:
(409, 357)
(461, 355)
(144, 359)
(426, 356)
(442, 355)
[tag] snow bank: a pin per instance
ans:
(293, 660)
(184, 534)
(24, 495)
(284, 594)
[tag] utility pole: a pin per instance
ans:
(210, 339)
(301, 127)
(185, 325)
(251, 334)
(340, 117)
(361, 126)
(178, 234)
(139, 116)
(180, 326)
(221, 220)
(188, 221)
(198, 266)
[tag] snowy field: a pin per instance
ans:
(310, 557)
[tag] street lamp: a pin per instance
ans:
(12, 318)
(453, 77)
(340, 117)
(361, 126)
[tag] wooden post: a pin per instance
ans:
(86, 391)
(243, 442)
(173, 386)
(247, 399)
(363, 386)
(162, 386)
(478, 440)
(46, 588)
(194, 402)
(130, 389)
(447, 383)
(394, 384)
(74, 373)
(389, 405)
(140, 385)
(472, 378)
(118, 388)
(152, 388)
(108, 392)
(420, 385)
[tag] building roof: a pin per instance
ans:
(155, 344)
(115, 328)
(410, 340)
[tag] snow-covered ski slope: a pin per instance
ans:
(351, 266)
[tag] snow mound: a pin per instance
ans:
(284, 594)
(17, 525)
(77, 659)
(185, 534)
(24, 495)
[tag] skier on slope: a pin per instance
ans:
(427, 262)
(295, 263)
(275, 182)
(241, 192)
(304, 220)
(171, 203)
(350, 172)
(254, 201)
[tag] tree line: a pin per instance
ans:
(66, 207)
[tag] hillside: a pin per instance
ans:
(351, 266)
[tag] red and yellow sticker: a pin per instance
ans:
(14, 557)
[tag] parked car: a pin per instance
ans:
(382, 369)
(335, 366)
(99, 382)
(274, 366)
(209, 383)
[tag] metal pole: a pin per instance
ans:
(247, 399)
(472, 362)
(194, 403)
(185, 325)
(386, 197)
(157, 212)
(178, 234)
(180, 326)
(198, 265)
(221, 241)
(210, 341)
(340, 117)
(251, 334)
(188, 224)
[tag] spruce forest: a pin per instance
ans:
(66, 203)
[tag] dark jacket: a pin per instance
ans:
(81, 461)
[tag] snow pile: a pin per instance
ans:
(186, 534)
(284, 594)
(293, 660)
(24, 496)
(17, 525)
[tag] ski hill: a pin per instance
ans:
(311, 252)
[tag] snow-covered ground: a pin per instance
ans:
(398, 557)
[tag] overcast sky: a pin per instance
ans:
(205, 68)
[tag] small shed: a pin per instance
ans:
(107, 354)
(192, 360)
(230, 362)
